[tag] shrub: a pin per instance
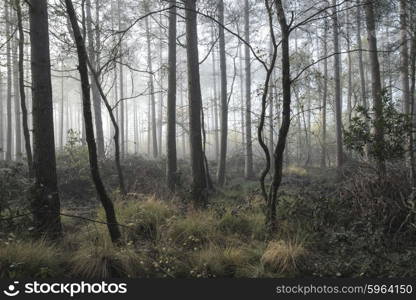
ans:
(396, 127)
(235, 224)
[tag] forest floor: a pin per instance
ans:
(357, 226)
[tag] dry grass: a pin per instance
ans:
(283, 256)
(29, 259)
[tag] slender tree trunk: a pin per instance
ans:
(45, 203)
(349, 97)
(215, 102)
(284, 129)
(92, 148)
(152, 89)
(360, 58)
(121, 111)
(271, 114)
(95, 94)
(171, 166)
(61, 128)
(16, 96)
(375, 86)
(248, 170)
(198, 189)
(324, 97)
(242, 111)
(160, 102)
(404, 57)
(1, 120)
(412, 105)
(9, 143)
(22, 89)
(338, 92)
(224, 100)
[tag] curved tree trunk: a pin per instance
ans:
(89, 131)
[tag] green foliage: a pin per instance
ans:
(360, 135)
(74, 171)
(233, 223)
(14, 186)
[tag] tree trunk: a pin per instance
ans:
(45, 203)
(22, 89)
(198, 189)
(248, 169)
(16, 96)
(404, 57)
(224, 100)
(350, 87)
(412, 106)
(61, 127)
(9, 145)
(160, 102)
(284, 129)
(121, 103)
(215, 102)
(338, 92)
(324, 97)
(375, 86)
(171, 166)
(92, 53)
(152, 89)
(360, 58)
(89, 130)
(1, 120)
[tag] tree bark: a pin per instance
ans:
(404, 57)
(248, 169)
(199, 182)
(376, 90)
(360, 58)
(324, 97)
(338, 92)
(23, 107)
(1, 120)
(215, 101)
(224, 100)
(151, 85)
(92, 53)
(16, 96)
(89, 130)
(171, 165)
(45, 203)
(9, 143)
(121, 103)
